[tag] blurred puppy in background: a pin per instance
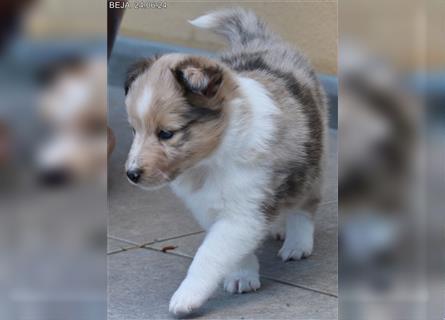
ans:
(240, 139)
(378, 129)
(73, 107)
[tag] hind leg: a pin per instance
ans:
(277, 229)
(299, 239)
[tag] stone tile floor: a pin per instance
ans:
(142, 278)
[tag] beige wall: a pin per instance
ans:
(66, 18)
(312, 25)
(409, 33)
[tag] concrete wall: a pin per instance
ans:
(312, 25)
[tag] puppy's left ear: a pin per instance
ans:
(136, 69)
(199, 78)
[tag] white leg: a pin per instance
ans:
(228, 241)
(299, 237)
(245, 278)
(278, 228)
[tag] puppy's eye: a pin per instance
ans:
(133, 130)
(165, 135)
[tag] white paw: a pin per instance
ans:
(299, 240)
(296, 251)
(277, 230)
(185, 300)
(241, 282)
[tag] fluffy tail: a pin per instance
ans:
(238, 26)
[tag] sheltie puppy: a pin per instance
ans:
(73, 108)
(241, 139)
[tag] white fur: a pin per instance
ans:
(262, 126)
(224, 208)
(367, 234)
(76, 93)
(56, 151)
(142, 108)
(277, 229)
(135, 150)
(245, 278)
(248, 136)
(299, 240)
(207, 21)
(143, 104)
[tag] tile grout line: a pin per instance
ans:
(174, 237)
(146, 245)
(155, 240)
(300, 286)
(122, 240)
(261, 275)
(122, 250)
(168, 252)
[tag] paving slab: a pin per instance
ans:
(141, 282)
(143, 217)
(184, 246)
(318, 272)
(114, 245)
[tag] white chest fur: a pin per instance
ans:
(212, 193)
(233, 180)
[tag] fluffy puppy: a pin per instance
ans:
(73, 108)
(240, 139)
(378, 156)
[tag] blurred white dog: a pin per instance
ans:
(73, 106)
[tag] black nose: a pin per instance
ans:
(56, 177)
(134, 175)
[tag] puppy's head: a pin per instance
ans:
(177, 107)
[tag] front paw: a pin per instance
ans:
(186, 299)
(241, 282)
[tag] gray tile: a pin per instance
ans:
(318, 272)
(114, 245)
(141, 217)
(136, 215)
(185, 246)
(142, 281)
(272, 301)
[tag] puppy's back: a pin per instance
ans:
(300, 142)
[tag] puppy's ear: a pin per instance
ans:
(136, 69)
(197, 76)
